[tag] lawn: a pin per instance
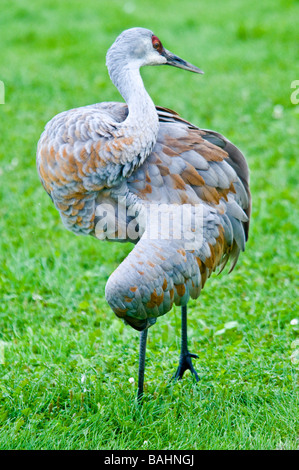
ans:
(67, 361)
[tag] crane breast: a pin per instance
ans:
(80, 153)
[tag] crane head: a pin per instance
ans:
(139, 47)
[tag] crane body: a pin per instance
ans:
(93, 157)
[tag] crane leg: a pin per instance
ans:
(185, 356)
(142, 351)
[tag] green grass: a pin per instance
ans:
(68, 359)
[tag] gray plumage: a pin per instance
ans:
(92, 157)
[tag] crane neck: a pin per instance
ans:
(142, 123)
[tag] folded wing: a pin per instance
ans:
(188, 166)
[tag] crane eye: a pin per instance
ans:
(157, 44)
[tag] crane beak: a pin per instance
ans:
(176, 61)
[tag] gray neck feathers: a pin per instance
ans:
(142, 122)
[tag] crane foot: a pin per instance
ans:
(185, 364)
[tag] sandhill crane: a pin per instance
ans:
(134, 156)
